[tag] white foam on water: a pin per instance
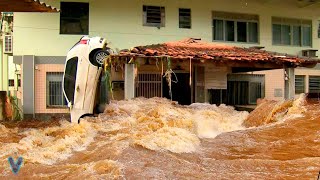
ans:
(49, 145)
(156, 124)
(211, 120)
(159, 124)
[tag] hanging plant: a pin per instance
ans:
(168, 76)
(17, 112)
(107, 74)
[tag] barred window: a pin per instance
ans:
(314, 84)
(299, 84)
(153, 16)
(55, 97)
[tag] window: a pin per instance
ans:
(318, 29)
(314, 84)
(74, 18)
(11, 82)
(185, 18)
(70, 77)
(153, 16)
(55, 96)
(293, 32)
(217, 96)
(235, 27)
(299, 84)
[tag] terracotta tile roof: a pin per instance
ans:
(25, 6)
(197, 49)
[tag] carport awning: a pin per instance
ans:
(196, 49)
(25, 6)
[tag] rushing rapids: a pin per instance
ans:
(156, 138)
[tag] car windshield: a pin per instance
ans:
(70, 75)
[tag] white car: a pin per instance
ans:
(82, 76)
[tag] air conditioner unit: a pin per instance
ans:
(7, 44)
(309, 53)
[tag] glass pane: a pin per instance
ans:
(74, 18)
(255, 92)
(276, 34)
(229, 31)
(285, 35)
(306, 30)
(253, 32)
(242, 31)
(218, 30)
(296, 32)
(70, 78)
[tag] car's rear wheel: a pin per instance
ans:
(99, 57)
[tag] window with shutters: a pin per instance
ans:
(299, 84)
(153, 16)
(185, 18)
(314, 84)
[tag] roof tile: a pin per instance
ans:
(197, 49)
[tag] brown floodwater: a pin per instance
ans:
(158, 139)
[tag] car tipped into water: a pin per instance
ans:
(83, 77)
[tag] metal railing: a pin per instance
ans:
(148, 85)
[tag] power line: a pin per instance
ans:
(110, 32)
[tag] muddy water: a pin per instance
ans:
(157, 139)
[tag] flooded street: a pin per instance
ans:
(158, 139)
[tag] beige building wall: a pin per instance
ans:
(120, 21)
(41, 88)
(274, 86)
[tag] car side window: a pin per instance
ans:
(70, 76)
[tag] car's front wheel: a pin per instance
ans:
(99, 57)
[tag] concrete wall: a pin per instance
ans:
(28, 82)
(41, 88)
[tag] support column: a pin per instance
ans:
(289, 85)
(129, 81)
(28, 85)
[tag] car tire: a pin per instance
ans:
(99, 57)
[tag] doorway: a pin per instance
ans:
(181, 91)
